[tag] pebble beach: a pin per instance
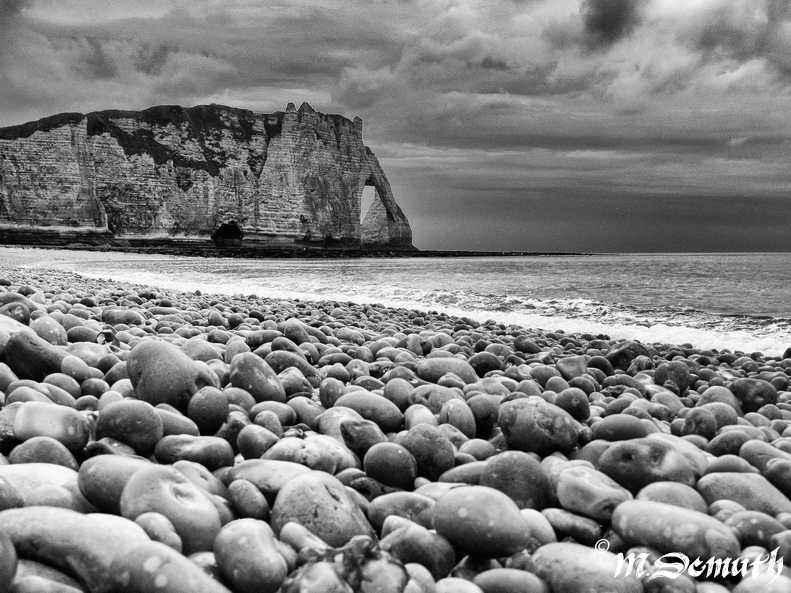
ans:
(159, 440)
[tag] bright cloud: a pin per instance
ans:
(563, 100)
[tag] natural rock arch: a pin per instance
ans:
(383, 224)
(170, 175)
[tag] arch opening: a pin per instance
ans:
(367, 200)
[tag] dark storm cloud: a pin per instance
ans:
(744, 30)
(608, 21)
(94, 62)
(491, 63)
(573, 113)
(10, 8)
(9, 13)
(151, 58)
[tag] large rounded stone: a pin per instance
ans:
(154, 566)
(753, 393)
(31, 357)
(248, 557)
(318, 452)
(319, 502)
(574, 401)
(250, 372)
(759, 453)
(572, 366)
(391, 464)
(65, 425)
(163, 489)
(415, 543)
(638, 462)
(432, 450)
(43, 450)
(373, 407)
(521, 477)
(589, 492)
(574, 568)
(360, 435)
(481, 521)
(753, 492)
(162, 374)
(674, 493)
(533, 425)
(268, 475)
(102, 479)
(200, 349)
(280, 360)
(621, 355)
(135, 423)
(675, 371)
(47, 328)
(211, 452)
(432, 369)
(408, 505)
(720, 394)
(671, 529)
(619, 427)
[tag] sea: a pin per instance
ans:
(734, 301)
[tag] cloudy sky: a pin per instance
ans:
(537, 125)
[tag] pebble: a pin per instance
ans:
(589, 492)
(43, 449)
(162, 374)
(225, 423)
(375, 408)
(432, 451)
(674, 493)
(31, 357)
(670, 529)
(152, 566)
(249, 372)
(319, 502)
(409, 505)
(211, 452)
(63, 424)
(248, 557)
(415, 543)
(574, 568)
(753, 492)
(165, 490)
(481, 521)
(534, 425)
(84, 545)
(318, 452)
(521, 477)
(132, 422)
(635, 463)
(391, 464)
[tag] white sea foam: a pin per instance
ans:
(572, 315)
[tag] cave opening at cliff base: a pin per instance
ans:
(228, 235)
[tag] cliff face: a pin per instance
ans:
(211, 172)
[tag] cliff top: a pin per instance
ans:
(198, 117)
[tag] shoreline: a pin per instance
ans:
(198, 249)
(395, 419)
(84, 263)
(30, 265)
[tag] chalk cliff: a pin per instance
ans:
(169, 175)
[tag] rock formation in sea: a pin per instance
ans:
(171, 175)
